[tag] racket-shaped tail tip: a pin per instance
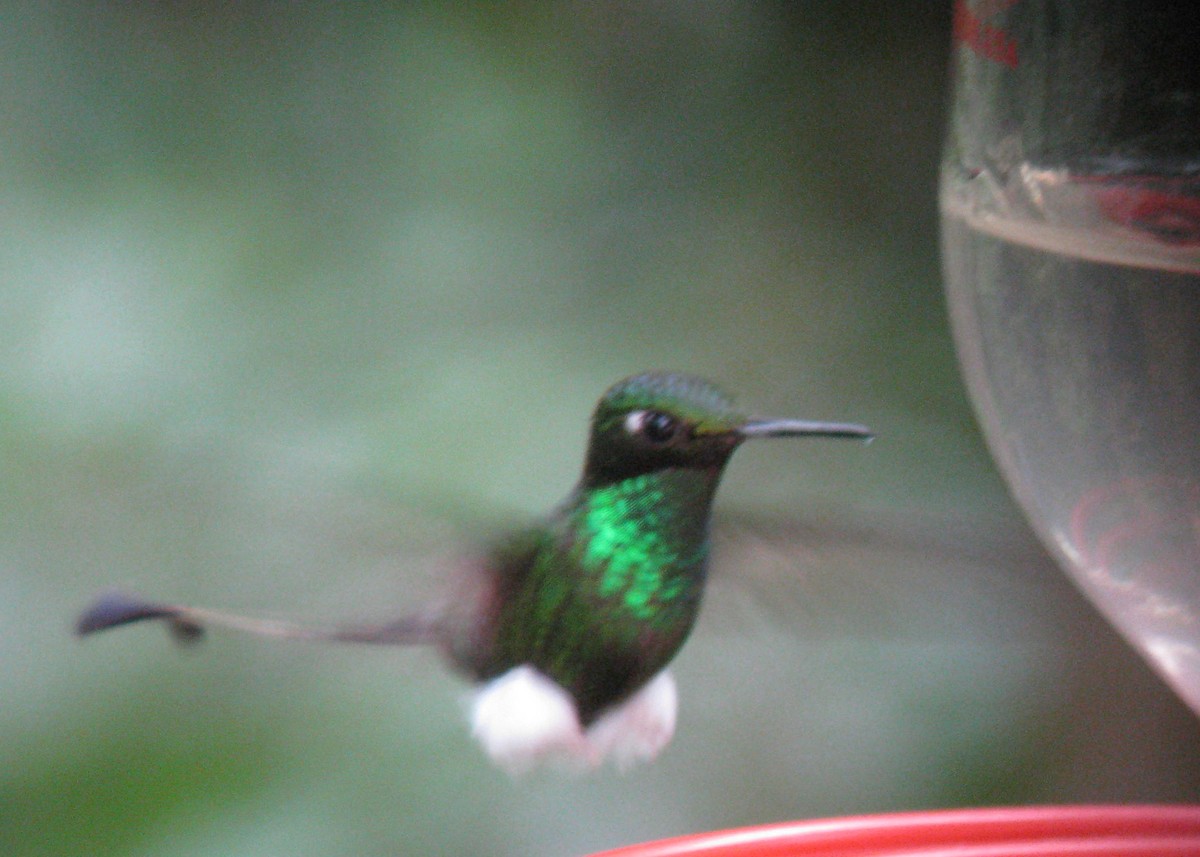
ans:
(113, 609)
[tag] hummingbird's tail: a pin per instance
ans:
(187, 624)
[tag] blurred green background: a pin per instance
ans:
(295, 297)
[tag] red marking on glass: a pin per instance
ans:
(1157, 209)
(1120, 529)
(984, 39)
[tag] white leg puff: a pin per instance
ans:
(523, 719)
(638, 729)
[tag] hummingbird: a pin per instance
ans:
(567, 628)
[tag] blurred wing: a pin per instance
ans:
(906, 578)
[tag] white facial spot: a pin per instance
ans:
(635, 421)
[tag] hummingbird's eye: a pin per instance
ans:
(655, 426)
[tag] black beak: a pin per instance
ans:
(802, 428)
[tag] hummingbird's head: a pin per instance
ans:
(660, 420)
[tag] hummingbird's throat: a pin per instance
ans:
(644, 539)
